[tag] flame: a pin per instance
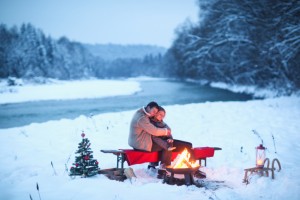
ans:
(182, 161)
(259, 162)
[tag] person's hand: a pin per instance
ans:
(168, 132)
(170, 141)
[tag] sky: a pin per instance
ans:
(103, 21)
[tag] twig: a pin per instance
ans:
(66, 168)
(53, 169)
(66, 164)
(68, 159)
(38, 189)
(30, 197)
(256, 133)
(274, 143)
(93, 121)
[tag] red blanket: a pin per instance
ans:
(137, 157)
(203, 152)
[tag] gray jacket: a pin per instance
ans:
(141, 130)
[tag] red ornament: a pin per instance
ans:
(82, 134)
(97, 162)
(76, 164)
(86, 157)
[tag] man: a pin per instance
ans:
(142, 130)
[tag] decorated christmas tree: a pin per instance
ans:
(84, 165)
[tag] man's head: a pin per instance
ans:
(152, 108)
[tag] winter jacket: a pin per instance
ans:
(141, 130)
(161, 124)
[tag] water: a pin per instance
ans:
(162, 91)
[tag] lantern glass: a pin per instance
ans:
(260, 156)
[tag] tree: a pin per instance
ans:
(85, 165)
(248, 42)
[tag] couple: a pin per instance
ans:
(148, 132)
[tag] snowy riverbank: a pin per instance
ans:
(63, 90)
(27, 153)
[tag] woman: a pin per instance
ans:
(166, 142)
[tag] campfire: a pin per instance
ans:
(182, 165)
(182, 161)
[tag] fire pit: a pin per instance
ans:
(187, 172)
(182, 165)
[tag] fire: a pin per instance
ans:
(182, 161)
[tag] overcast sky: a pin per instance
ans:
(103, 21)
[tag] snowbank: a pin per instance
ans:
(26, 153)
(62, 90)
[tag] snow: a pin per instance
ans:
(257, 92)
(27, 152)
(62, 90)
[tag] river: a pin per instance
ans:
(162, 91)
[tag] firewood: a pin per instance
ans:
(187, 163)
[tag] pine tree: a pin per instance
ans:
(84, 165)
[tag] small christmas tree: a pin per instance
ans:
(85, 165)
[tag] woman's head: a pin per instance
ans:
(161, 113)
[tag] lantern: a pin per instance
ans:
(260, 156)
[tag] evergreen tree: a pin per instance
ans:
(246, 42)
(26, 52)
(84, 165)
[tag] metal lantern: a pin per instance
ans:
(260, 156)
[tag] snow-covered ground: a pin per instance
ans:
(27, 152)
(62, 90)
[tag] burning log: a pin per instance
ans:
(187, 163)
(182, 161)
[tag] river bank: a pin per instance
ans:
(69, 99)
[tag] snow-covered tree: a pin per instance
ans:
(26, 52)
(250, 42)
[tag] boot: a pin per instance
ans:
(161, 173)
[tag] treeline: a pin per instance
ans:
(26, 52)
(117, 51)
(247, 42)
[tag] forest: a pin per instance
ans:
(241, 42)
(26, 52)
(237, 42)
